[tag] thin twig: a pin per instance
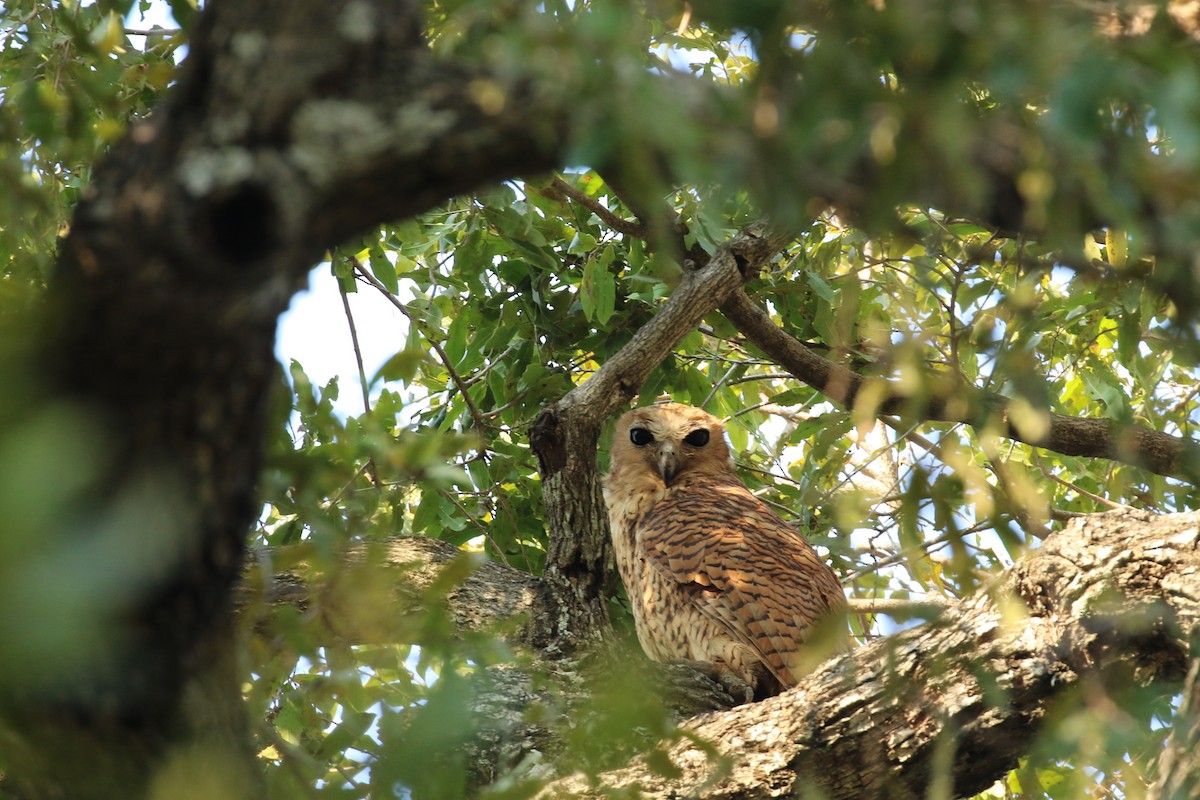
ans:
(917, 550)
(717, 386)
(1156, 451)
(495, 412)
(478, 525)
(455, 378)
(749, 409)
(560, 189)
(764, 376)
(909, 434)
(368, 464)
(482, 372)
(1104, 501)
(289, 755)
(659, 220)
(889, 605)
(362, 375)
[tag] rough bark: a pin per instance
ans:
(1113, 598)
(1109, 598)
(372, 593)
(1179, 766)
(198, 227)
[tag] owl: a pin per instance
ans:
(713, 574)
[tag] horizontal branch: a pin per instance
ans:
(377, 592)
(967, 691)
(1112, 596)
(1158, 452)
(930, 605)
(369, 593)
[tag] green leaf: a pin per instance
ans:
(401, 367)
(456, 338)
(1107, 392)
(481, 477)
(1117, 245)
(347, 733)
(343, 270)
(659, 762)
(385, 272)
(1129, 336)
(598, 292)
(427, 513)
(423, 746)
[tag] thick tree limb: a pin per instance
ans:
(372, 593)
(359, 123)
(292, 126)
(1112, 598)
(949, 401)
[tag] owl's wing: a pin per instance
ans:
(742, 566)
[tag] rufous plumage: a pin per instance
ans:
(713, 574)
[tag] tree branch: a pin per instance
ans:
(950, 401)
(1109, 598)
(292, 126)
(1179, 764)
(443, 356)
(372, 592)
(560, 190)
(1112, 597)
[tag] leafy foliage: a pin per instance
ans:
(516, 295)
(71, 81)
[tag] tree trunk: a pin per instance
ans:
(198, 228)
(294, 125)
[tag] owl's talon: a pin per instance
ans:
(731, 682)
(736, 687)
(739, 690)
(693, 687)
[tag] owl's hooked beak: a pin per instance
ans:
(668, 463)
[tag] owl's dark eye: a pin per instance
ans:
(697, 438)
(640, 436)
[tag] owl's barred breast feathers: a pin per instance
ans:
(713, 575)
